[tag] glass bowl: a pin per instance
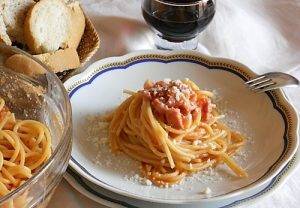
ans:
(32, 91)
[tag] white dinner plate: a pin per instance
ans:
(113, 200)
(268, 121)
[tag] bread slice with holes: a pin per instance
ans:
(60, 60)
(47, 26)
(77, 25)
(4, 38)
(14, 13)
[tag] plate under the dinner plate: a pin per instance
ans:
(267, 120)
(114, 200)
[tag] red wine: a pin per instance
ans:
(178, 23)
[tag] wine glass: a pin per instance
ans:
(177, 23)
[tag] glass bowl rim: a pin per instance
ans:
(64, 138)
(195, 3)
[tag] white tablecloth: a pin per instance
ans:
(263, 34)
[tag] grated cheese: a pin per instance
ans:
(207, 191)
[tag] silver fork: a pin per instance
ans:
(271, 81)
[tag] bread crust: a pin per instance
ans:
(25, 65)
(29, 39)
(77, 25)
(60, 60)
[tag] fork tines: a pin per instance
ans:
(260, 84)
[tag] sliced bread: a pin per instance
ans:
(4, 38)
(47, 26)
(60, 60)
(14, 13)
(78, 24)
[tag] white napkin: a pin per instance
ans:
(264, 35)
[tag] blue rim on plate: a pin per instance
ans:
(290, 138)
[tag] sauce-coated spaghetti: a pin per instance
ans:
(25, 145)
(172, 127)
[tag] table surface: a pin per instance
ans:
(109, 14)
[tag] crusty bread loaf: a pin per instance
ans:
(23, 64)
(4, 38)
(47, 26)
(14, 13)
(77, 25)
(60, 60)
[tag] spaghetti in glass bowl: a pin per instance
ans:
(35, 130)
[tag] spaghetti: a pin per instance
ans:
(173, 128)
(25, 145)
